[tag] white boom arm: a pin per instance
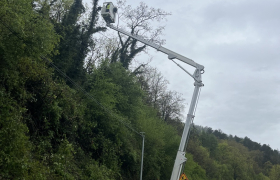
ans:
(180, 158)
(171, 54)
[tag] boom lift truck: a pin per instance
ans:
(108, 12)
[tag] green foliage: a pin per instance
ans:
(49, 130)
(193, 170)
(261, 176)
(75, 33)
(275, 172)
(13, 141)
(117, 89)
(210, 142)
(227, 158)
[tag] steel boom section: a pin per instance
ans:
(180, 158)
(171, 54)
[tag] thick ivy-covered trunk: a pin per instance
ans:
(76, 38)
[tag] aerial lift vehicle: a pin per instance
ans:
(108, 12)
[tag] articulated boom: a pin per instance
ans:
(171, 54)
(109, 17)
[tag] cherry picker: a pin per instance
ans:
(108, 12)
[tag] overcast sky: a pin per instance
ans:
(238, 43)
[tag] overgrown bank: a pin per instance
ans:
(49, 129)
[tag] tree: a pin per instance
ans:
(25, 37)
(101, 49)
(168, 103)
(139, 21)
(219, 134)
(76, 37)
(13, 140)
(171, 105)
(210, 142)
(55, 9)
(154, 84)
(193, 170)
(250, 144)
(275, 172)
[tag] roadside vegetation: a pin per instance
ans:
(72, 105)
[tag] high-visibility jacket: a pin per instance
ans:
(108, 6)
